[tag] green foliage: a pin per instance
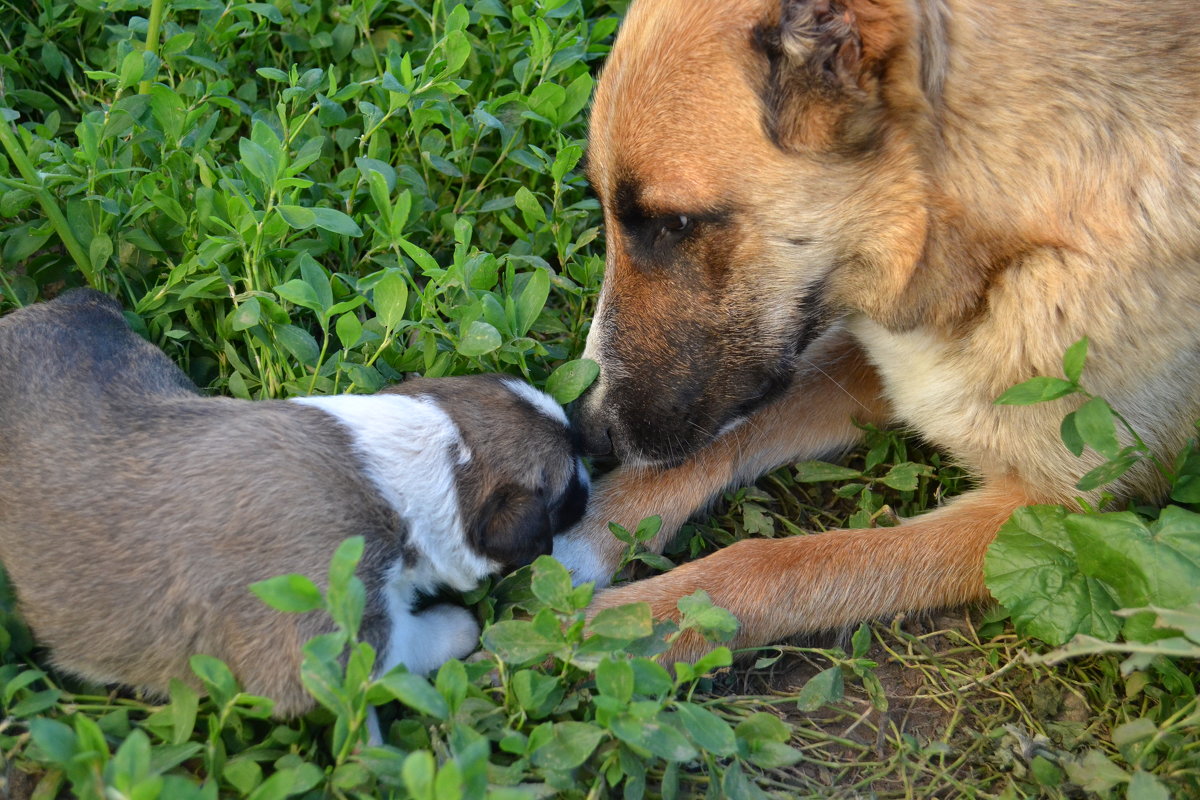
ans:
(1062, 574)
(1081, 579)
(311, 197)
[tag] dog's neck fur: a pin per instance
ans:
(1002, 175)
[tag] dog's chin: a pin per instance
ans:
(656, 456)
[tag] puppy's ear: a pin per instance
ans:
(826, 57)
(512, 526)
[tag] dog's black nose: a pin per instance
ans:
(597, 440)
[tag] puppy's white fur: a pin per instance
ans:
(409, 448)
(539, 400)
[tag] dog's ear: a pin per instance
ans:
(822, 37)
(825, 61)
(512, 526)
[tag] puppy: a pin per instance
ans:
(134, 512)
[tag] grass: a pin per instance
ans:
(322, 197)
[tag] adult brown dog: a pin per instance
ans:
(891, 210)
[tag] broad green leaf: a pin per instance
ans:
(132, 69)
(903, 477)
(260, 163)
(56, 740)
(243, 773)
(517, 642)
(391, 298)
(820, 472)
(426, 262)
(458, 49)
(614, 678)
(1095, 773)
(763, 727)
(569, 745)
(532, 300)
(623, 622)
(656, 735)
(419, 769)
(246, 315)
(551, 583)
(1145, 786)
(651, 679)
(299, 293)
(571, 379)
(736, 786)
(130, 765)
(823, 688)
(349, 330)
(297, 217)
(715, 659)
(1070, 435)
(479, 339)
(545, 99)
(537, 694)
(1074, 358)
(316, 278)
(577, 93)
(100, 250)
(335, 221)
(263, 10)
(1185, 620)
(773, 755)
(288, 782)
(415, 692)
(1036, 390)
(293, 593)
(714, 623)
(345, 560)
(184, 702)
(35, 703)
(1155, 564)
(529, 205)
(1106, 473)
(1097, 427)
(215, 676)
(1032, 569)
(299, 342)
(706, 729)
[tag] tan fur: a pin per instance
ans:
(971, 187)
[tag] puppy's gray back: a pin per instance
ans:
(77, 350)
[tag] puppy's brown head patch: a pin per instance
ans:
(520, 480)
(757, 183)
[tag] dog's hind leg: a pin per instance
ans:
(816, 416)
(780, 587)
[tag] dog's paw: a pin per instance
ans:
(625, 496)
(582, 551)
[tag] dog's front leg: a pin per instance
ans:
(780, 587)
(835, 386)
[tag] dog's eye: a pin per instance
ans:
(676, 224)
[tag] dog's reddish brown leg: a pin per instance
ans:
(836, 386)
(779, 587)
